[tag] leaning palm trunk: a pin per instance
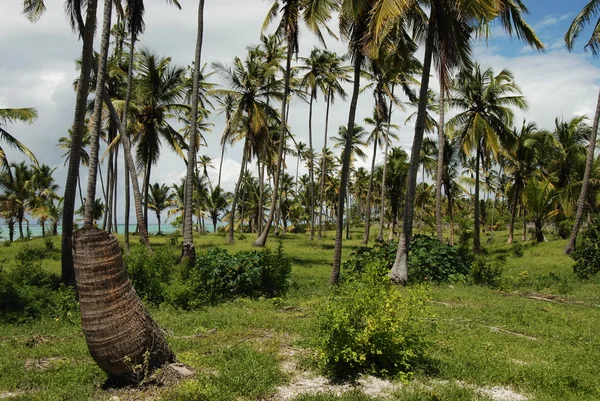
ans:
(581, 203)
(337, 255)
(262, 238)
(120, 334)
(368, 217)
(87, 34)
(188, 250)
(477, 225)
(399, 272)
(323, 172)
(97, 117)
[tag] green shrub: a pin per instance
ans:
(564, 228)
(369, 325)
(384, 252)
(218, 276)
(150, 273)
(432, 260)
(27, 291)
(517, 249)
(485, 271)
(587, 252)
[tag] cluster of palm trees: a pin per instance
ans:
(137, 96)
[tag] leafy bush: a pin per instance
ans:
(564, 228)
(27, 291)
(360, 258)
(368, 325)
(218, 276)
(486, 271)
(587, 252)
(517, 249)
(150, 273)
(432, 260)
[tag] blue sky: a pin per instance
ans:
(37, 69)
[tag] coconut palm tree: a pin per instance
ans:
(316, 14)
(160, 199)
(159, 91)
(451, 23)
(251, 85)
(188, 250)
(540, 196)
(217, 204)
(338, 73)
(484, 124)
(26, 115)
(589, 11)
(378, 138)
(227, 103)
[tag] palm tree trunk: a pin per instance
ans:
(323, 172)
(127, 208)
(582, 201)
(221, 164)
(119, 332)
(385, 159)
(107, 219)
(43, 228)
(311, 171)
(399, 272)
(524, 236)
(87, 34)
(297, 168)
(451, 215)
(115, 191)
(97, 118)
(262, 239)
(158, 218)
(440, 167)
(261, 190)
(477, 226)
(80, 191)
(147, 192)
(348, 206)
(368, 206)
(539, 233)
(513, 217)
(337, 254)
(188, 250)
(236, 193)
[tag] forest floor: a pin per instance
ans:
(537, 337)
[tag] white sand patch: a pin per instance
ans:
(500, 393)
(10, 394)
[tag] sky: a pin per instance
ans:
(37, 69)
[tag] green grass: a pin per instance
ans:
(537, 334)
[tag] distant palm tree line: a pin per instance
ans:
(137, 95)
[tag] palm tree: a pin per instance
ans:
(450, 24)
(337, 74)
(216, 204)
(315, 14)
(358, 140)
(26, 115)
(188, 250)
(301, 151)
(589, 11)
(16, 186)
(540, 196)
(484, 124)
(159, 91)
(378, 138)
(315, 66)
(44, 192)
(520, 163)
(160, 199)
(227, 103)
(251, 85)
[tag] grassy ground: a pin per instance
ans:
(537, 335)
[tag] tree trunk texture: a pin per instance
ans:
(188, 250)
(582, 201)
(262, 239)
(337, 255)
(127, 208)
(97, 117)
(119, 332)
(399, 271)
(87, 57)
